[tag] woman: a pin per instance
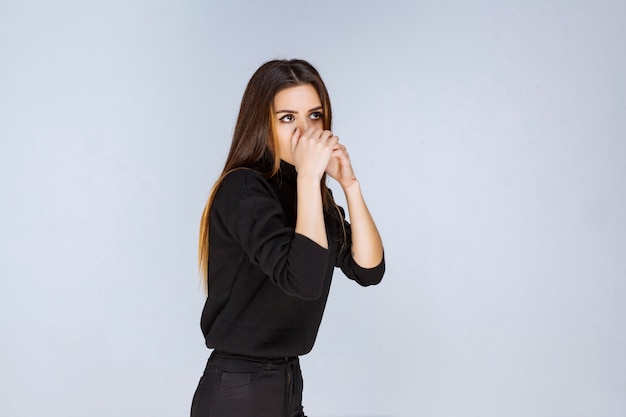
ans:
(270, 237)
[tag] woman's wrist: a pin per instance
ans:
(351, 186)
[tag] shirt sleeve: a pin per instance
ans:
(345, 261)
(253, 216)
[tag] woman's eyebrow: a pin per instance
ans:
(295, 112)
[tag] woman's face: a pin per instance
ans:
(298, 106)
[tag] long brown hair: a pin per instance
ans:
(254, 143)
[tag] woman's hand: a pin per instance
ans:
(340, 168)
(312, 151)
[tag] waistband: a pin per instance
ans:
(276, 360)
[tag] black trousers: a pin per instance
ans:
(243, 386)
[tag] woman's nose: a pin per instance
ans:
(303, 124)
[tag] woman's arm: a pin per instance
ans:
(367, 246)
(247, 215)
(311, 151)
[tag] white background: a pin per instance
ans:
(490, 141)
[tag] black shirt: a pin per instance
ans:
(268, 285)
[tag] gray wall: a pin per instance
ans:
(490, 141)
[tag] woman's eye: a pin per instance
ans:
(287, 118)
(316, 115)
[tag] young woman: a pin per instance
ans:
(270, 237)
